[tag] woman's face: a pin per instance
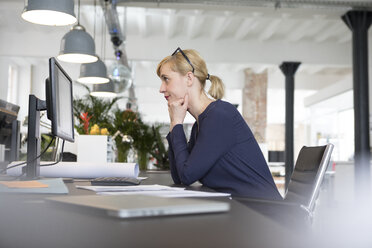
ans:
(173, 84)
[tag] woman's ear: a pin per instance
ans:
(190, 78)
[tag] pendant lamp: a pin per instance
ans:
(103, 90)
(96, 72)
(77, 46)
(93, 73)
(49, 12)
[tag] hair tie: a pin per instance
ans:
(208, 77)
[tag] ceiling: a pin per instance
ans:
(233, 35)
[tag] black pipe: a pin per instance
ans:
(359, 22)
(289, 69)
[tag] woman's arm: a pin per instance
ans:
(215, 138)
(172, 163)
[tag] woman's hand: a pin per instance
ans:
(177, 111)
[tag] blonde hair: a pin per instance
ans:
(178, 63)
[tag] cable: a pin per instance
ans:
(95, 17)
(16, 165)
(60, 157)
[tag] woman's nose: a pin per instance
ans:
(162, 88)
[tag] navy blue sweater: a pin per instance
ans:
(222, 154)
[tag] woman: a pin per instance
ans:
(222, 152)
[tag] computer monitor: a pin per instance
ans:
(9, 131)
(58, 104)
(8, 114)
(59, 101)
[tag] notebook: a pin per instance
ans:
(132, 206)
(51, 186)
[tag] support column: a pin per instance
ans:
(254, 103)
(359, 23)
(289, 69)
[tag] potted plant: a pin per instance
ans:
(93, 118)
(90, 111)
(97, 116)
(144, 139)
(126, 123)
(158, 151)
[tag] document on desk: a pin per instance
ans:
(154, 190)
(83, 170)
(135, 188)
(171, 194)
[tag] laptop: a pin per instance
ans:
(134, 206)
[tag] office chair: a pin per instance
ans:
(307, 177)
(303, 187)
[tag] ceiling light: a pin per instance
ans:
(50, 12)
(77, 46)
(103, 90)
(93, 73)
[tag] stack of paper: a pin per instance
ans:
(154, 190)
(82, 170)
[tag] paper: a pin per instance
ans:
(24, 184)
(82, 170)
(170, 194)
(54, 186)
(154, 190)
(135, 188)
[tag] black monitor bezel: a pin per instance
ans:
(51, 99)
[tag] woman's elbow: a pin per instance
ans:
(187, 181)
(176, 180)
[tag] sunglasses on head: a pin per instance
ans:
(184, 55)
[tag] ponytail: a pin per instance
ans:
(217, 89)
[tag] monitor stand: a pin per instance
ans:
(32, 168)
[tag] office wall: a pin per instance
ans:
(24, 89)
(33, 72)
(152, 105)
(4, 67)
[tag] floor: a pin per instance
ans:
(343, 216)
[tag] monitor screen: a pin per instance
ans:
(59, 101)
(8, 113)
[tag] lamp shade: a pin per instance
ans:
(50, 12)
(93, 73)
(103, 90)
(77, 46)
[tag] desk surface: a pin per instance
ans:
(30, 221)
